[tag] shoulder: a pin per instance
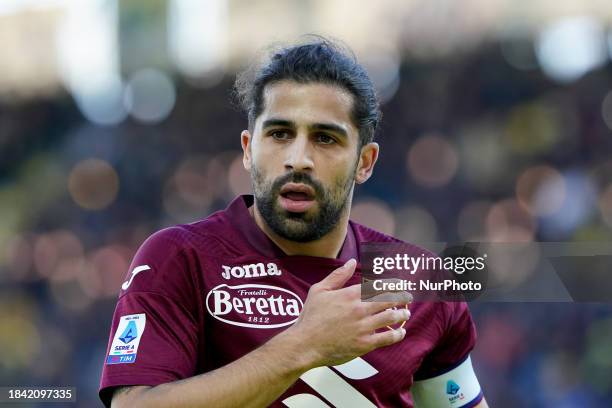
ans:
(212, 236)
(366, 235)
(167, 240)
(169, 259)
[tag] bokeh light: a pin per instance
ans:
(578, 205)
(484, 160)
(501, 340)
(432, 161)
(571, 47)
(20, 340)
(532, 128)
(88, 56)
(111, 264)
(517, 49)
(18, 259)
(197, 38)
(149, 96)
(508, 221)
(192, 182)
(471, 222)
(416, 224)
(606, 110)
(374, 213)
(19, 337)
(541, 190)
(383, 68)
(93, 184)
(511, 260)
(187, 193)
(58, 255)
(511, 257)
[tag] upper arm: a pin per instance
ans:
(446, 374)
(458, 387)
(155, 331)
(456, 339)
(126, 396)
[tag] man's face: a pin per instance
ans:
(303, 157)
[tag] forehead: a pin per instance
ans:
(312, 102)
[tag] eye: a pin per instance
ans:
(324, 138)
(280, 134)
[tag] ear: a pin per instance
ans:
(367, 160)
(245, 141)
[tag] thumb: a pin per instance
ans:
(340, 276)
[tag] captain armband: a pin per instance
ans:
(457, 388)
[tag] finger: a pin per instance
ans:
(369, 290)
(340, 276)
(399, 297)
(387, 337)
(375, 307)
(386, 296)
(353, 291)
(386, 318)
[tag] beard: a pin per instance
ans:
(307, 226)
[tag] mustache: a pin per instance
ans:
(295, 177)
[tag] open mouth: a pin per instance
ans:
(296, 197)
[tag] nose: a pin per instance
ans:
(299, 154)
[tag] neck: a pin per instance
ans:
(327, 246)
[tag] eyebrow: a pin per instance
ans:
(330, 127)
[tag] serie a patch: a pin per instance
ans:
(127, 338)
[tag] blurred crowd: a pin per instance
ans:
(474, 147)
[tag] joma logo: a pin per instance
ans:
(250, 270)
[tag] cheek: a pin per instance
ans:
(258, 157)
(341, 178)
(265, 168)
(267, 156)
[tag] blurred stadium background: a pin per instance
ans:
(115, 122)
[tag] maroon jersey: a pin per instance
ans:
(202, 295)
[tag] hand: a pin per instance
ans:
(335, 326)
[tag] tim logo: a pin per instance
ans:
(251, 270)
(333, 387)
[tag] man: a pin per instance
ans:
(259, 305)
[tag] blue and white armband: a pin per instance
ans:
(457, 388)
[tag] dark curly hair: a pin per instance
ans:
(317, 60)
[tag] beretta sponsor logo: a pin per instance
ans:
(251, 270)
(252, 305)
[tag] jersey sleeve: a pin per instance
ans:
(154, 332)
(455, 344)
